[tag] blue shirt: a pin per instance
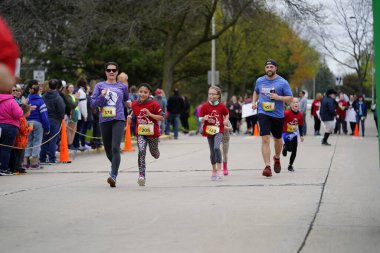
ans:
(273, 108)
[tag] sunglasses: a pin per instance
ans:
(111, 70)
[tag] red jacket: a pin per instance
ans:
(23, 132)
(315, 107)
(341, 109)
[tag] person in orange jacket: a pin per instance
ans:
(21, 141)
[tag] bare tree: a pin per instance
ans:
(354, 48)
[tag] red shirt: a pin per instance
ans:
(341, 109)
(315, 107)
(215, 114)
(145, 123)
(291, 121)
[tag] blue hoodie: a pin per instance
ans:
(39, 114)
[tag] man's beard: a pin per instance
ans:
(270, 73)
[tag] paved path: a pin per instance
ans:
(330, 204)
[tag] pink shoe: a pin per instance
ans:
(225, 170)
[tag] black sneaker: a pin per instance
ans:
(290, 168)
(284, 151)
(326, 143)
(5, 173)
(21, 171)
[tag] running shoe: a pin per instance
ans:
(141, 180)
(214, 175)
(326, 143)
(219, 175)
(277, 165)
(267, 172)
(290, 168)
(111, 181)
(5, 173)
(284, 151)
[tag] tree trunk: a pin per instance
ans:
(168, 77)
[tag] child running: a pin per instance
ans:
(148, 112)
(293, 126)
(213, 114)
(226, 145)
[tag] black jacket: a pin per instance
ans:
(55, 105)
(327, 110)
(175, 104)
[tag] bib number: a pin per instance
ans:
(268, 106)
(145, 129)
(212, 130)
(108, 112)
(291, 128)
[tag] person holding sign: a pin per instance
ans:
(270, 93)
(148, 112)
(111, 97)
(213, 114)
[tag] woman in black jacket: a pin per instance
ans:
(328, 113)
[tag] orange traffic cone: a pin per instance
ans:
(356, 133)
(127, 141)
(256, 130)
(64, 148)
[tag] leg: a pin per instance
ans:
(117, 134)
(141, 144)
(106, 130)
(218, 154)
(212, 155)
(54, 130)
(294, 150)
(8, 137)
(265, 149)
(176, 125)
(153, 147)
(363, 127)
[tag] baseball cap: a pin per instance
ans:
(271, 62)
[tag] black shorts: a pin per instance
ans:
(268, 125)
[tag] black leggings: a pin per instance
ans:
(317, 124)
(291, 146)
(112, 132)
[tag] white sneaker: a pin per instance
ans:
(219, 175)
(141, 180)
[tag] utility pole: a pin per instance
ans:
(213, 49)
(376, 37)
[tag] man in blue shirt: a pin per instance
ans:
(270, 93)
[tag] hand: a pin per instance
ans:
(77, 95)
(129, 103)
(205, 118)
(274, 96)
(302, 138)
(146, 111)
(104, 93)
(254, 106)
(129, 120)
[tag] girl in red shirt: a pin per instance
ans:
(293, 124)
(148, 112)
(213, 114)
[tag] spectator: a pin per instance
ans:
(234, 109)
(10, 114)
(82, 127)
(175, 108)
(315, 106)
(250, 120)
(341, 115)
(185, 114)
(163, 103)
(303, 109)
(17, 94)
(73, 101)
(327, 113)
(41, 125)
(361, 113)
(351, 114)
(56, 112)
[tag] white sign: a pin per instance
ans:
(247, 111)
(339, 81)
(39, 75)
(216, 77)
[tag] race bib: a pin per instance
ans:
(145, 129)
(212, 130)
(108, 112)
(268, 106)
(291, 128)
